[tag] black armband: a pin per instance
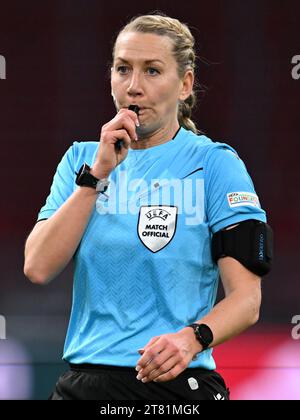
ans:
(250, 243)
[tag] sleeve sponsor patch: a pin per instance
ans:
(236, 199)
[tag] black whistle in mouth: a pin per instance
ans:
(135, 109)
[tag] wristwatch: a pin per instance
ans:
(85, 178)
(203, 334)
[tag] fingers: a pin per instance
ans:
(150, 351)
(158, 366)
(121, 135)
(125, 119)
(163, 358)
(111, 153)
(134, 117)
(172, 373)
(111, 137)
(156, 353)
(151, 342)
(167, 371)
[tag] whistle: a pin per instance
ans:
(135, 109)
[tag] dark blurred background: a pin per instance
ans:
(57, 90)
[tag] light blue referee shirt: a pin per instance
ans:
(144, 267)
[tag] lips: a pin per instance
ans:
(140, 107)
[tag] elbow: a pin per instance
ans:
(34, 275)
(255, 307)
(255, 318)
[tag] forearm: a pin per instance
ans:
(232, 315)
(50, 248)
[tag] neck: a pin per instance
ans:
(155, 138)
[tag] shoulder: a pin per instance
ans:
(196, 152)
(206, 149)
(222, 153)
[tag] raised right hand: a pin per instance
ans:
(121, 127)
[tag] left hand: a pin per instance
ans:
(166, 356)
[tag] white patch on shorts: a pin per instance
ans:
(193, 384)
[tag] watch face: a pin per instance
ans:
(205, 333)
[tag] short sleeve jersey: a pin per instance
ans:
(144, 267)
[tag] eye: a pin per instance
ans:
(152, 71)
(122, 69)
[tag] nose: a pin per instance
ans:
(135, 85)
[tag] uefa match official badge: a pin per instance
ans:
(157, 226)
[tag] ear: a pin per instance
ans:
(187, 85)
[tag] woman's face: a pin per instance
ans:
(144, 73)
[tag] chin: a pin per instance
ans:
(144, 131)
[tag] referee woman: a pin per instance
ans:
(152, 215)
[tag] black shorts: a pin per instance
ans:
(101, 382)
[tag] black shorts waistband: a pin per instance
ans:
(88, 367)
(94, 367)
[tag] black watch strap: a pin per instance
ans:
(85, 178)
(203, 334)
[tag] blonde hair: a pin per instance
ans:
(183, 52)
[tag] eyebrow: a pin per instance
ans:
(146, 61)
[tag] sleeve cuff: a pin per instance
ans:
(45, 214)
